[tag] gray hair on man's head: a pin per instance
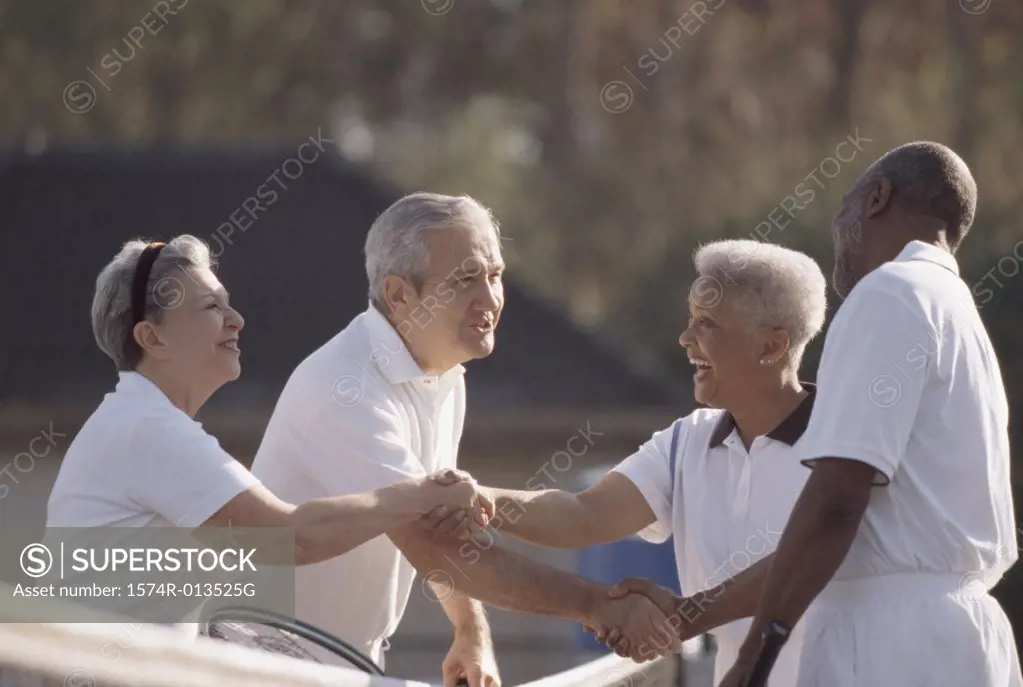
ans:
(111, 305)
(928, 179)
(396, 243)
(774, 286)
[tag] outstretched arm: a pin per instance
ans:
(733, 599)
(610, 510)
(516, 583)
(496, 576)
(692, 616)
(330, 526)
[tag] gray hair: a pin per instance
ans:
(927, 179)
(111, 305)
(775, 287)
(396, 243)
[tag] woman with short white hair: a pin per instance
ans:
(141, 459)
(724, 478)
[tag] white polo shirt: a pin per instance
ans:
(359, 414)
(139, 461)
(725, 506)
(911, 386)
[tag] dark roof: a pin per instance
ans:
(296, 274)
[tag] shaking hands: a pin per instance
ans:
(650, 621)
(453, 504)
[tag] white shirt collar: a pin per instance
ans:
(918, 250)
(388, 345)
(135, 383)
(138, 384)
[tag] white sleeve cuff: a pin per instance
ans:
(885, 468)
(660, 530)
(241, 480)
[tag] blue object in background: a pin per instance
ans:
(631, 557)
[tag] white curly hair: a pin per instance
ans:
(774, 286)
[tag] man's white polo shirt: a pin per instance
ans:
(359, 414)
(139, 461)
(910, 385)
(725, 506)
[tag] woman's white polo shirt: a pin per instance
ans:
(725, 506)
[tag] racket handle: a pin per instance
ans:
(775, 637)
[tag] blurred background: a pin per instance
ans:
(609, 137)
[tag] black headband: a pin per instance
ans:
(141, 281)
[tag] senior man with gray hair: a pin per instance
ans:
(907, 520)
(723, 479)
(385, 400)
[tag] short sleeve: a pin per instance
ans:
(877, 358)
(182, 473)
(356, 449)
(649, 469)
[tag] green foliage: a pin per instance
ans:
(728, 112)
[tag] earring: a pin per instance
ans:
(765, 361)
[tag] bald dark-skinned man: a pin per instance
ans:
(906, 521)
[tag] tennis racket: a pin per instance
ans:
(774, 639)
(281, 634)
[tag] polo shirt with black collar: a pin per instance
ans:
(726, 505)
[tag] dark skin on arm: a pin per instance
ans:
(820, 530)
(692, 616)
(816, 540)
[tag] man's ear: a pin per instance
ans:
(879, 198)
(397, 293)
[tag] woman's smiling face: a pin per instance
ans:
(723, 348)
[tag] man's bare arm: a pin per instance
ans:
(497, 576)
(692, 616)
(733, 599)
(466, 614)
(609, 511)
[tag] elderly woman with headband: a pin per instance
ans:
(724, 478)
(141, 459)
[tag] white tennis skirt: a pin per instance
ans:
(908, 630)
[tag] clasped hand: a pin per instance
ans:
(642, 621)
(461, 508)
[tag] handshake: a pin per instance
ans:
(636, 618)
(642, 620)
(452, 502)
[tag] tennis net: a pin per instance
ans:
(612, 671)
(104, 654)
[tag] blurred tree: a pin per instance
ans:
(611, 137)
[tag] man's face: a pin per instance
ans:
(455, 314)
(847, 234)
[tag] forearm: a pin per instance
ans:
(548, 517)
(329, 527)
(811, 549)
(499, 577)
(466, 614)
(733, 599)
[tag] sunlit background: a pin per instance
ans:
(609, 137)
